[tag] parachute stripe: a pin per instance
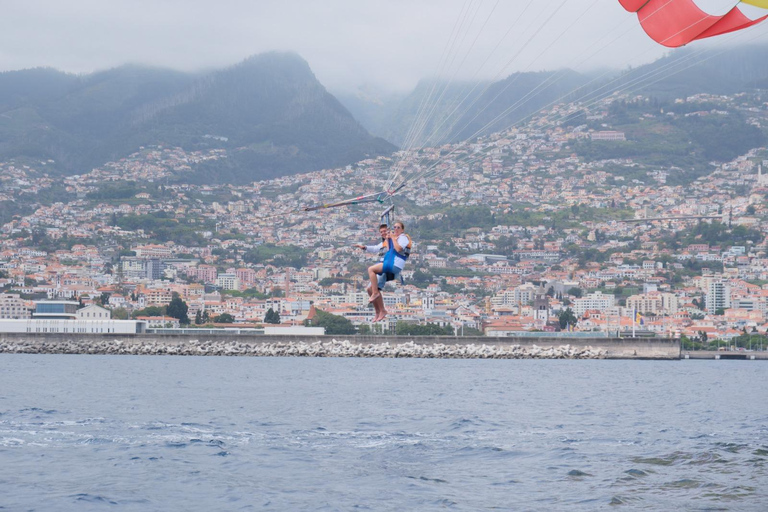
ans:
(733, 20)
(674, 23)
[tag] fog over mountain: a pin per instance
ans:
(463, 109)
(274, 118)
(269, 112)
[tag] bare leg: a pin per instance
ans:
(377, 304)
(373, 272)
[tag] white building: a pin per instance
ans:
(597, 301)
(653, 302)
(228, 281)
(608, 135)
(93, 312)
(521, 295)
(160, 322)
(718, 297)
(54, 326)
(13, 306)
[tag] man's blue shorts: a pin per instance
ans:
(384, 278)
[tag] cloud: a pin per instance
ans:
(347, 43)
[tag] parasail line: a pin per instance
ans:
(378, 197)
(430, 170)
(633, 82)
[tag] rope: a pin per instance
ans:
(431, 169)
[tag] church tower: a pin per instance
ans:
(762, 179)
(541, 305)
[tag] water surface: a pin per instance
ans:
(82, 432)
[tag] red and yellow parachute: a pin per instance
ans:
(675, 23)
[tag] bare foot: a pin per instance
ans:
(374, 297)
(381, 316)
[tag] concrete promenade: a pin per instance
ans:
(343, 346)
(724, 355)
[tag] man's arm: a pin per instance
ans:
(369, 248)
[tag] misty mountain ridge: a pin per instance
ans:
(493, 107)
(269, 112)
(274, 118)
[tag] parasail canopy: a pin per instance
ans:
(675, 23)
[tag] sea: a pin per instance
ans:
(167, 433)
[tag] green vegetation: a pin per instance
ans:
(669, 138)
(566, 318)
(421, 279)
(461, 218)
(454, 272)
(280, 255)
(712, 233)
(469, 331)
(328, 281)
(164, 228)
(202, 317)
(333, 324)
(177, 308)
(249, 293)
(120, 314)
(149, 311)
(272, 317)
(104, 116)
(224, 318)
(747, 341)
(115, 190)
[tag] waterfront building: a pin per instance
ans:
(72, 326)
(159, 321)
(56, 309)
(13, 306)
(94, 312)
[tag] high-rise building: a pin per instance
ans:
(718, 297)
(597, 301)
(228, 281)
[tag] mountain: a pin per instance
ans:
(485, 108)
(458, 110)
(391, 116)
(269, 112)
(687, 71)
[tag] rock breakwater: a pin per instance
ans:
(333, 348)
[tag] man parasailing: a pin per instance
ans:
(399, 247)
(381, 249)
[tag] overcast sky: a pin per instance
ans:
(386, 44)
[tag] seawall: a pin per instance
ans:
(342, 346)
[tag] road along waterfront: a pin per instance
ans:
(343, 346)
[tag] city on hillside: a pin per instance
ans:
(546, 227)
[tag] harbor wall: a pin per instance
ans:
(342, 346)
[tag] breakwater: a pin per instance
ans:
(343, 346)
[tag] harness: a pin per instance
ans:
(389, 258)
